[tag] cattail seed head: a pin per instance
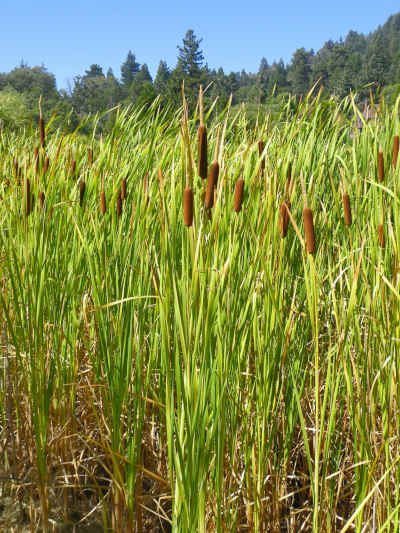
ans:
(90, 156)
(46, 164)
(284, 218)
(347, 209)
(119, 206)
(15, 164)
(103, 206)
(123, 189)
(28, 198)
(395, 150)
(381, 236)
(202, 152)
(42, 132)
(82, 188)
(238, 198)
(309, 230)
(212, 181)
(188, 202)
(260, 151)
(41, 199)
(381, 168)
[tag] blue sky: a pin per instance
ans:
(69, 36)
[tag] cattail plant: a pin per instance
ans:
(395, 150)
(119, 206)
(188, 197)
(381, 236)
(308, 221)
(238, 198)
(347, 209)
(46, 164)
(15, 164)
(381, 168)
(41, 125)
(123, 189)
(284, 218)
(212, 179)
(202, 140)
(41, 199)
(82, 188)
(28, 198)
(103, 206)
(260, 151)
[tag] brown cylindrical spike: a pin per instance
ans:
(123, 189)
(103, 206)
(381, 168)
(28, 198)
(90, 156)
(381, 236)
(73, 168)
(46, 165)
(212, 181)
(309, 230)
(82, 188)
(42, 133)
(395, 150)
(119, 206)
(188, 202)
(41, 199)
(284, 218)
(15, 164)
(202, 152)
(347, 209)
(238, 198)
(260, 151)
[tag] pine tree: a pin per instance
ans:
(190, 58)
(129, 69)
(162, 77)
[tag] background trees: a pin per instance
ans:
(339, 67)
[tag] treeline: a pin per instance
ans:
(340, 67)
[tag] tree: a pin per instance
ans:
(129, 69)
(190, 58)
(94, 71)
(162, 77)
(300, 71)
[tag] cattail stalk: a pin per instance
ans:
(260, 151)
(41, 199)
(46, 165)
(395, 150)
(381, 168)
(212, 181)
(41, 125)
(73, 168)
(123, 189)
(284, 218)
(202, 140)
(188, 201)
(103, 206)
(82, 188)
(28, 204)
(309, 230)
(347, 209)
(119, 206)
(238, 198)
(381, 236)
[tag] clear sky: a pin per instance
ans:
(69, 36)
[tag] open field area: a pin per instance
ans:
(192, 354)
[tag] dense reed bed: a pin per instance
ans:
(166, 366)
